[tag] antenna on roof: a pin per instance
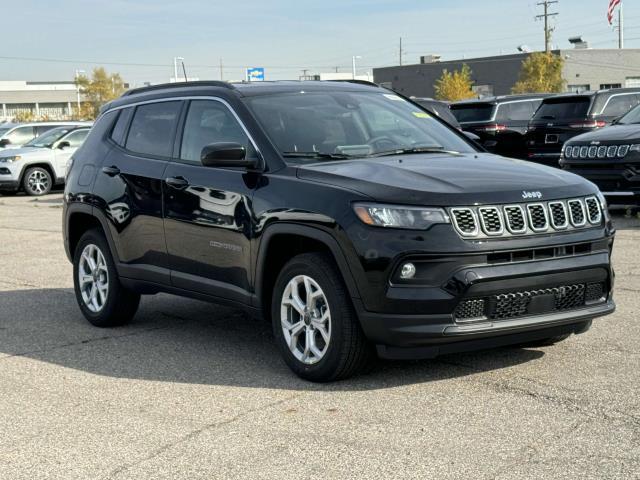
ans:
(184, 71)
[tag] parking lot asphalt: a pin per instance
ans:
(193, 390)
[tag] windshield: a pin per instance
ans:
(46, 140)
(349, 124)
(633, 117)
(481, 112)
(564, 109)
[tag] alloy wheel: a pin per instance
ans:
(306, 319)
(38, 182)
(93, 278)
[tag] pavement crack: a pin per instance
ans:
(195, 433)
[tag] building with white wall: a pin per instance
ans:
(40, 100)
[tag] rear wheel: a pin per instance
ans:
(99, 293)
(37, 181)
(314, 323)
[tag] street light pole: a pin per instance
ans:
(78, 72)
(353, 65)
(175, 68)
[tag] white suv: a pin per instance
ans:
(15, 135)
(41, 163)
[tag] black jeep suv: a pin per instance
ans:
(341, 212)
(562, 117)
(609, 157)
(500, 122)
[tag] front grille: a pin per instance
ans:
(559, 219)
(593, 210)
(517, 304)
(491, 220)
(602, 152)
(576, 211)
(514, 218)
(465, 221)
(593, 151)
(537, 217)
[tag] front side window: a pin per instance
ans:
(20, 135)
(619, 105)
(76, 138)
(349, 124)
(210, 121)
(153, 128)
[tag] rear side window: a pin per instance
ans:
(473, 113)
(21, 135)
(564, 109)
(152, 129)
(119, 132)
(619, 105)
(517, 111)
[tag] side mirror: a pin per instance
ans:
(64, 144)
(4, 142)
(615, 121)
(226, 154)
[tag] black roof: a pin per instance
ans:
(502, 99)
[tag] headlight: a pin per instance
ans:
(603, 206)
(15, 158)
(634, 148)
(393, 216)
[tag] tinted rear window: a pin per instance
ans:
(473, 113)
(152, 129)
(517, 111)
(564, 109)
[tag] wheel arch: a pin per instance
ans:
(45, 165)
(81, 217)
(280, 243)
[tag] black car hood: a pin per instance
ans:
(444, 180)
(614, 133)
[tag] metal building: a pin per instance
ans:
(584, 69)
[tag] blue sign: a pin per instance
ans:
(255, 74)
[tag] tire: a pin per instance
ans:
(546, 342)
(37, 181)
(112, 307)
(331, 317)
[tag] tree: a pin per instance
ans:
(101, 88)
(456, 85)
(541, 73)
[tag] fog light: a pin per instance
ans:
(408, 271)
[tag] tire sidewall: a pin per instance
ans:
(25, 181)
(97, 239)
(331, 360)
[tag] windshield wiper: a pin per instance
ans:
(405, 151)
(548, 117)
(329, 156)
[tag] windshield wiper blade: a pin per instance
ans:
(329, 156)
(405, 151)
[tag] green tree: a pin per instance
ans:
(101, 88)
(541, 73)
(456, 85)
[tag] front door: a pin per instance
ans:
(208, 215)
(62, 152)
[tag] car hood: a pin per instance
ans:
(446, 180)
(26, 151)
(614, 133)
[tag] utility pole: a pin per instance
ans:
(221, 74)
(547, 28)
(400, 51)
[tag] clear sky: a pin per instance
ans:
(139, 38)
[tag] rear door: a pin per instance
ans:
(208, 215)
(130, 187)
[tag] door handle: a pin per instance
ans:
(178, 183)
(111, 171)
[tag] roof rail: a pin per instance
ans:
(359, 82)
(165, 86)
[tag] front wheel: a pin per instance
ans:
(37, 181)
(99, 293)
(314, 322)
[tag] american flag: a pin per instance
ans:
(612, 6)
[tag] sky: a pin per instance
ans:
(46, 40)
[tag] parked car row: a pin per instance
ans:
(34, 156)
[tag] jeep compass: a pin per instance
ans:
(353, 221)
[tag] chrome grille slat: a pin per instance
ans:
(577, 213)
(527, 218)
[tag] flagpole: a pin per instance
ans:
(620, 27)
